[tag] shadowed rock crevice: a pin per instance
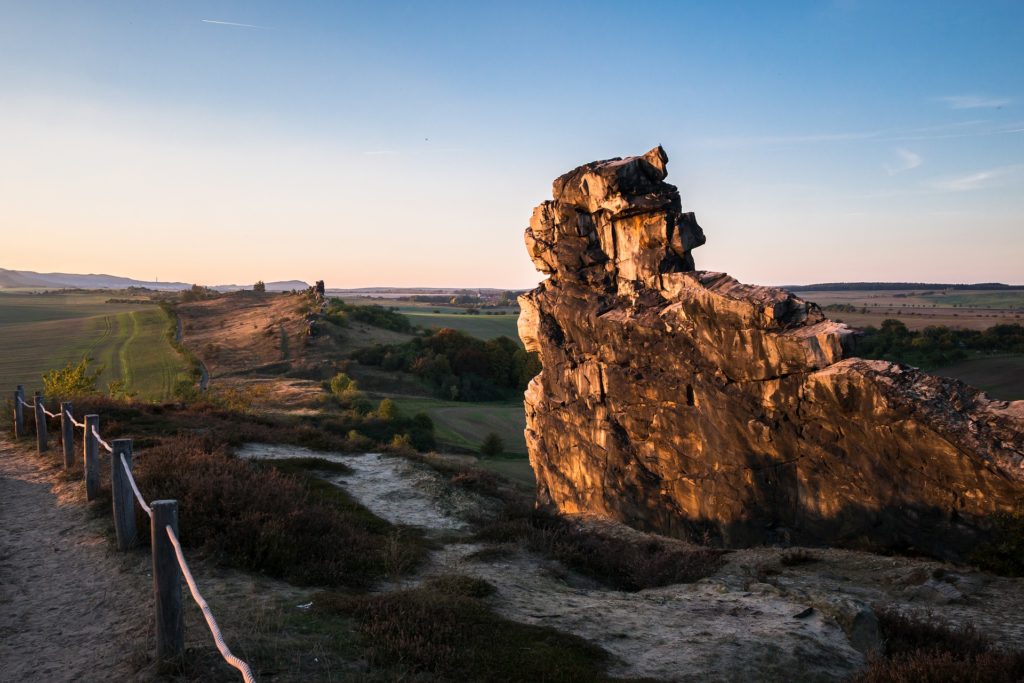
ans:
(679, 400)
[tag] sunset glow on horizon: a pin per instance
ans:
(406, 145)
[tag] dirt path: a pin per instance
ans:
(70, 608)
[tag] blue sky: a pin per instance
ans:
(406, 143)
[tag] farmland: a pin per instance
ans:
(487, 324)
(465, 424)
(968, 309)
(39, 332)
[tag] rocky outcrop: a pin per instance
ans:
(683, 401)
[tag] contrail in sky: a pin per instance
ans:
(229, 23)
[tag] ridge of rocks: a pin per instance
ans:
(685, 402)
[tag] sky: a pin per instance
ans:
(406, 143)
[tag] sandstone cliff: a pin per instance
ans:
(685, 402)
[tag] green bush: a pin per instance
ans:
(458, 366)
(492, 445)
(1003, 553)
(344, 387)
(74, 380)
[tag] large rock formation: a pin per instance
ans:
(685, 402)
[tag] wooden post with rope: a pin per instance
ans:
(19, 412)
(121, 492)
(41, 437)
(170, 626)
(67, 435)
(91, 460)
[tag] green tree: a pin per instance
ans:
(492, 445)
(260, 286)
(344, 387)
(71, 381)
(387, 409)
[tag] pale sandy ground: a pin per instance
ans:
(752, 620)
(70, 607)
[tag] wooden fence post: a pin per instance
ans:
(124, 498)
(41, 441)
(19, 412)
(170, 627)
(67, 435)
(91, 461)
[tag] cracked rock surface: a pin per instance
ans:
(684, 402)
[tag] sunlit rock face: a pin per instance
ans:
(685, 402)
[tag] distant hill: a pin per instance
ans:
(11, 279)
(874, 286)
(26, 278)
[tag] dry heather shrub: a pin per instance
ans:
(925, 651)
(257, 518)
(620, 563)
(443, 630)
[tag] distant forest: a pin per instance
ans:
(875, 286)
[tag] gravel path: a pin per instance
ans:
(71, 609)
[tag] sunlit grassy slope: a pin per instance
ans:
(40, 332)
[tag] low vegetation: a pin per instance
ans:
(71, 381)
(444, 630)
(918, 650)
(621, 563)
(258, 518)
(340, 313)
(457, 366)
(1003, 552)
(935, 346)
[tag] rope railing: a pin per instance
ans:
(135, 487)
(80, 425)
(210, 621)
(99, 439)
(125, 491)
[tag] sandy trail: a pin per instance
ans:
(70, 608)
(705, 631)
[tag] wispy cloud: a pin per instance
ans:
(908, 160)
(960, 129)
(974, 101)
(973, 181)
(230, 23)
(380, 152)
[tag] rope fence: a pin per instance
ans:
(210, 621)
(169, 565)
(99, 439)
(135, 487)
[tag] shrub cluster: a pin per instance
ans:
(444, 630)
(936, 345)
(257, 518)
(458, 366)
(621, 563)
(1003, 552)
(923, 651)
(339, 313)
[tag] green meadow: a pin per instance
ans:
(39, 332)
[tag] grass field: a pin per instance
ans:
(502, 321)
(45, 331)
(481, 326)
(1000, 377)
(974, 310)
(466, 424)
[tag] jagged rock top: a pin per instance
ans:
(673, 398)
